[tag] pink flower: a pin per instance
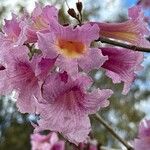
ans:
(11, 35)
(24, 76)
(133, 31)
(143, 140)
(67, 105)
(46, 142)
(72, 48)
(39, 21)
(42, 16)
(122, 65)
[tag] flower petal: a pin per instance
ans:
(97, 99)
(69, 65)
(46, 43)
(93, 60)
(122, 65)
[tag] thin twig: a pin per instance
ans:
(80, 22)
(67, 3)
(81, 17)
(124, 45)
(110, 129)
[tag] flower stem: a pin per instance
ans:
(110, 129)
(124, 45)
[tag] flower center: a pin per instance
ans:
(71, 49)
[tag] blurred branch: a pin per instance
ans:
(124, 45)
(108, 148)
(110, 129)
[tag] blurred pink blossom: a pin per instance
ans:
(143, 140)
(46, 142)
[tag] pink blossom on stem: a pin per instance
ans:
(46, 142)
(133, 31)
(143, 140)
(72, 48)
(68, 105)
(122, 65)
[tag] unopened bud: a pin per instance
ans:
(72, 13)
(79, 6)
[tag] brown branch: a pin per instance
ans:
(124, 45)
(108, 148)
(110, 129)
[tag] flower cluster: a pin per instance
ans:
(47, 65)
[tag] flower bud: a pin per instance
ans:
(72, 13)
(79, 6)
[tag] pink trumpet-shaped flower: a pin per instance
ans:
(133, 31)
(122, 65)
(68, 104)
(46, 142)
(39, 21)
(143, 140)
(72, 48)
(11, 33)
(24, 76)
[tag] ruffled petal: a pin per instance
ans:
(85, 34)
(92, 60)
(74, 127)
(97, 99)
(122, 65)
(52, 86)
(68, 65)
(26, 102)
(46, 43)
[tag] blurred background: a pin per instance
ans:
(124, 112)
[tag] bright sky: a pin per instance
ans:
(110, 8)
